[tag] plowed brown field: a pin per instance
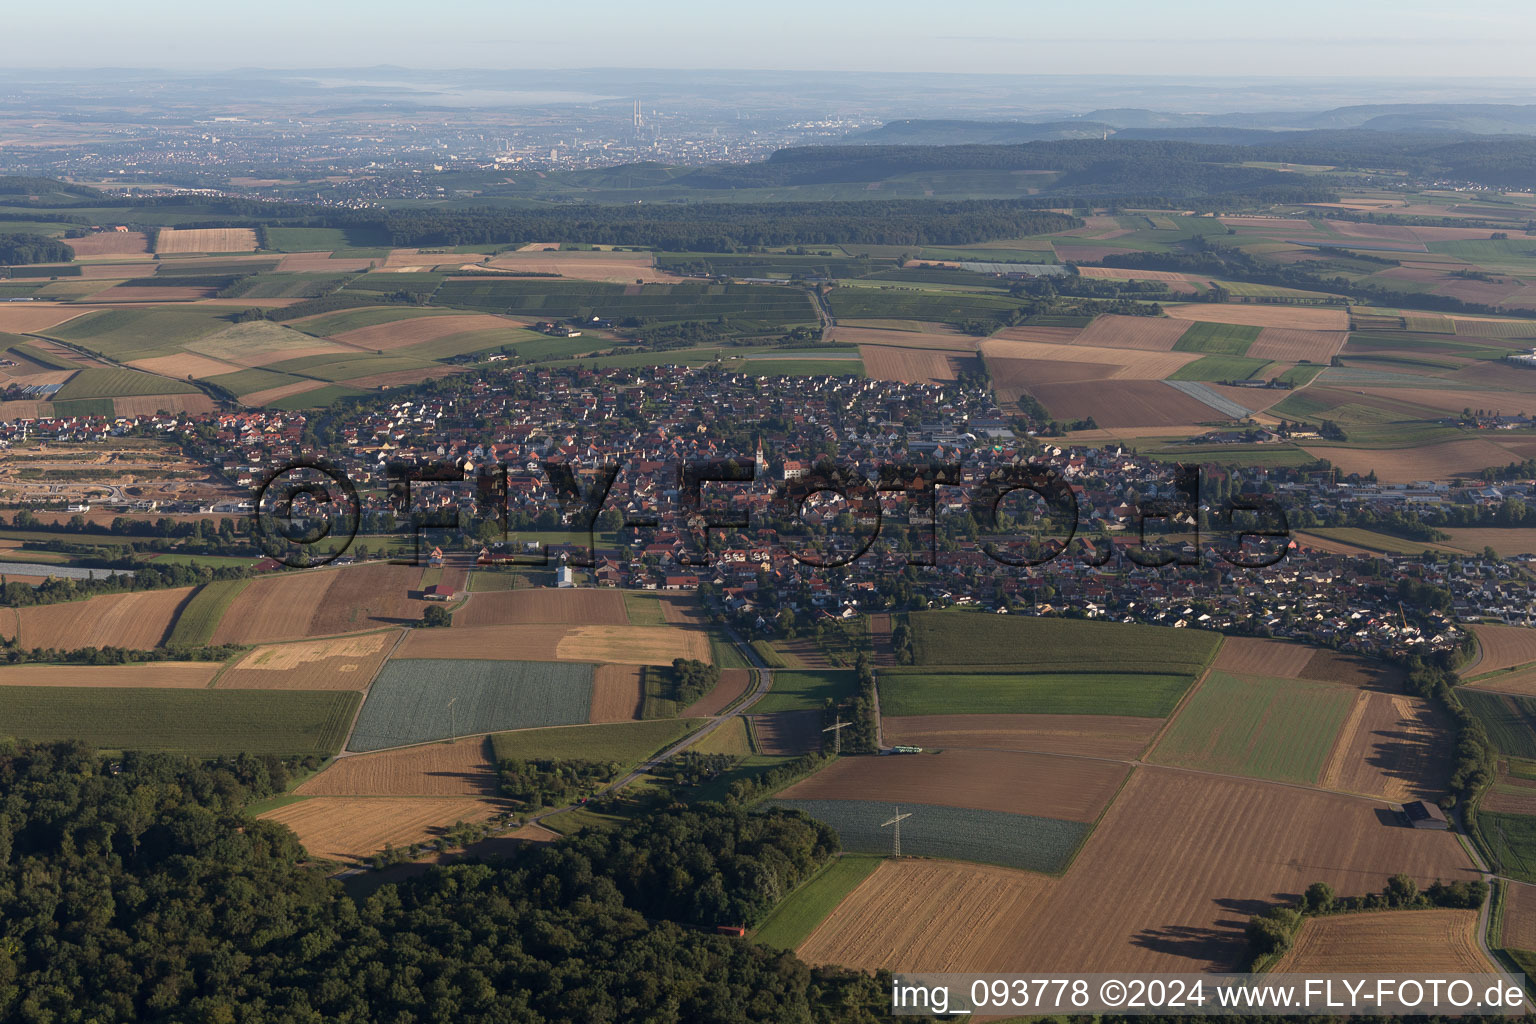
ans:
(161, 674)
(462, 768)
(1503, 647)
(1165, 883)
(353, 828)
(1388, 942)
(205, 240)
(616, 694)
(1143, 333)
(526, 607)
(368, 596)
(1274, 658)
(140, 620)
(1124, 403)
(345, 663)
(1519, 915)
(1290, 345)
(787, 732)
(620, 645)
(275, 607)
(733, 683)
(907, 365)
(1047, 335)
(1110, 736)
(1044, 785)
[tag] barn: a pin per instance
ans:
(1423, 814)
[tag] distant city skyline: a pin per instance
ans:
(1305, 38)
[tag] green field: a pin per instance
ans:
(1511, 838)
(317, 398)
(1509, 720)
(793, 920)
(325, 239)
(84, 407)
(1084, 693)
(989, 837)
(345, 367)
(1278, 729)
(643, 608)
(197, 621)
(204, 723)
(327, 324)
(140, 333)
(408, 702)
(1302, 374)
(105, 382)
(903, 304)
(625, 742)
(1217, 339)
(286, 286)
(748, 307)
(803, 690)
(962, 637)
(1217, 368)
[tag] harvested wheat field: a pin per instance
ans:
(417, 330)
(1391, 746)
(274, 607)
(733, 684)
(617, 693)
(1420, 942)
(1306, 318)
(1166, 882)
(26, 317)
(413, 259)
(1292, 346)
(1502, 647)
(908, 365)
(527, 607)
(368, 596)
(321, 263)
(1507, 541)
(1130, 364)
(1111, 736)
(1276, 659)
(1124, 403)
(109, 243)
(353, 828)
(1141, 333)
(787, 732)
(140, 620)
(614, 267)
(1016, 782)
(924, 915)
(159, 674)
(205, 240)
(345, 663)
(1519, 915)
(619, 645)
(184, 364)
(1404, 465)
(940, 341)
(463, 767)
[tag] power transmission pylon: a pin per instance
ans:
(896, 831)
(836, 729)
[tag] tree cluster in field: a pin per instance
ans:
(747, 791)
(24, 247)
(12, 653)
(1271, 933)
(691, 768)
(691, 679)
(551, 781)
(137, 889)
(435, 616)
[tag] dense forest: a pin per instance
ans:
(138, 890)
(29, 248)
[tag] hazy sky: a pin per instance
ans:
(1490, 38)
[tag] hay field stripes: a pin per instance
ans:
(141, 620)
(1388, 942)
(464, 767)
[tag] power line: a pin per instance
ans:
(896, 831)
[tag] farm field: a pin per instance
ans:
(800, 690)
(621, 645)
(1082, 693)
(1044, 785)
(1274, 658)
(1146, 333)
(1426, 462)
(198, 722)
(1507, 542)
(1232, 844)
(422, 330)
(1387, 942)
(109, 243)
(277, 606)
(624, 742)
(1278, 729)
(559, 607)
(1519, 916)
(1113, 404)
(909, 365)
(617, 693)
(155, 674)
(1511, 840)
(734, 683)
(1392, 746)
(1510, 720)
(178, 240)
(794, 919)
(1217, 338)
(368, 596)
(1502, 647)
(1121, 738)
(343, 828)
(730, 737)
(1310, 318)
(787, 732)
(1047, 644)
(345, 663)
(409, 700)
(1019, 841)
(139, 620)
(456, 768)
(197, 622)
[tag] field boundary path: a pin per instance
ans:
(1486, 910)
